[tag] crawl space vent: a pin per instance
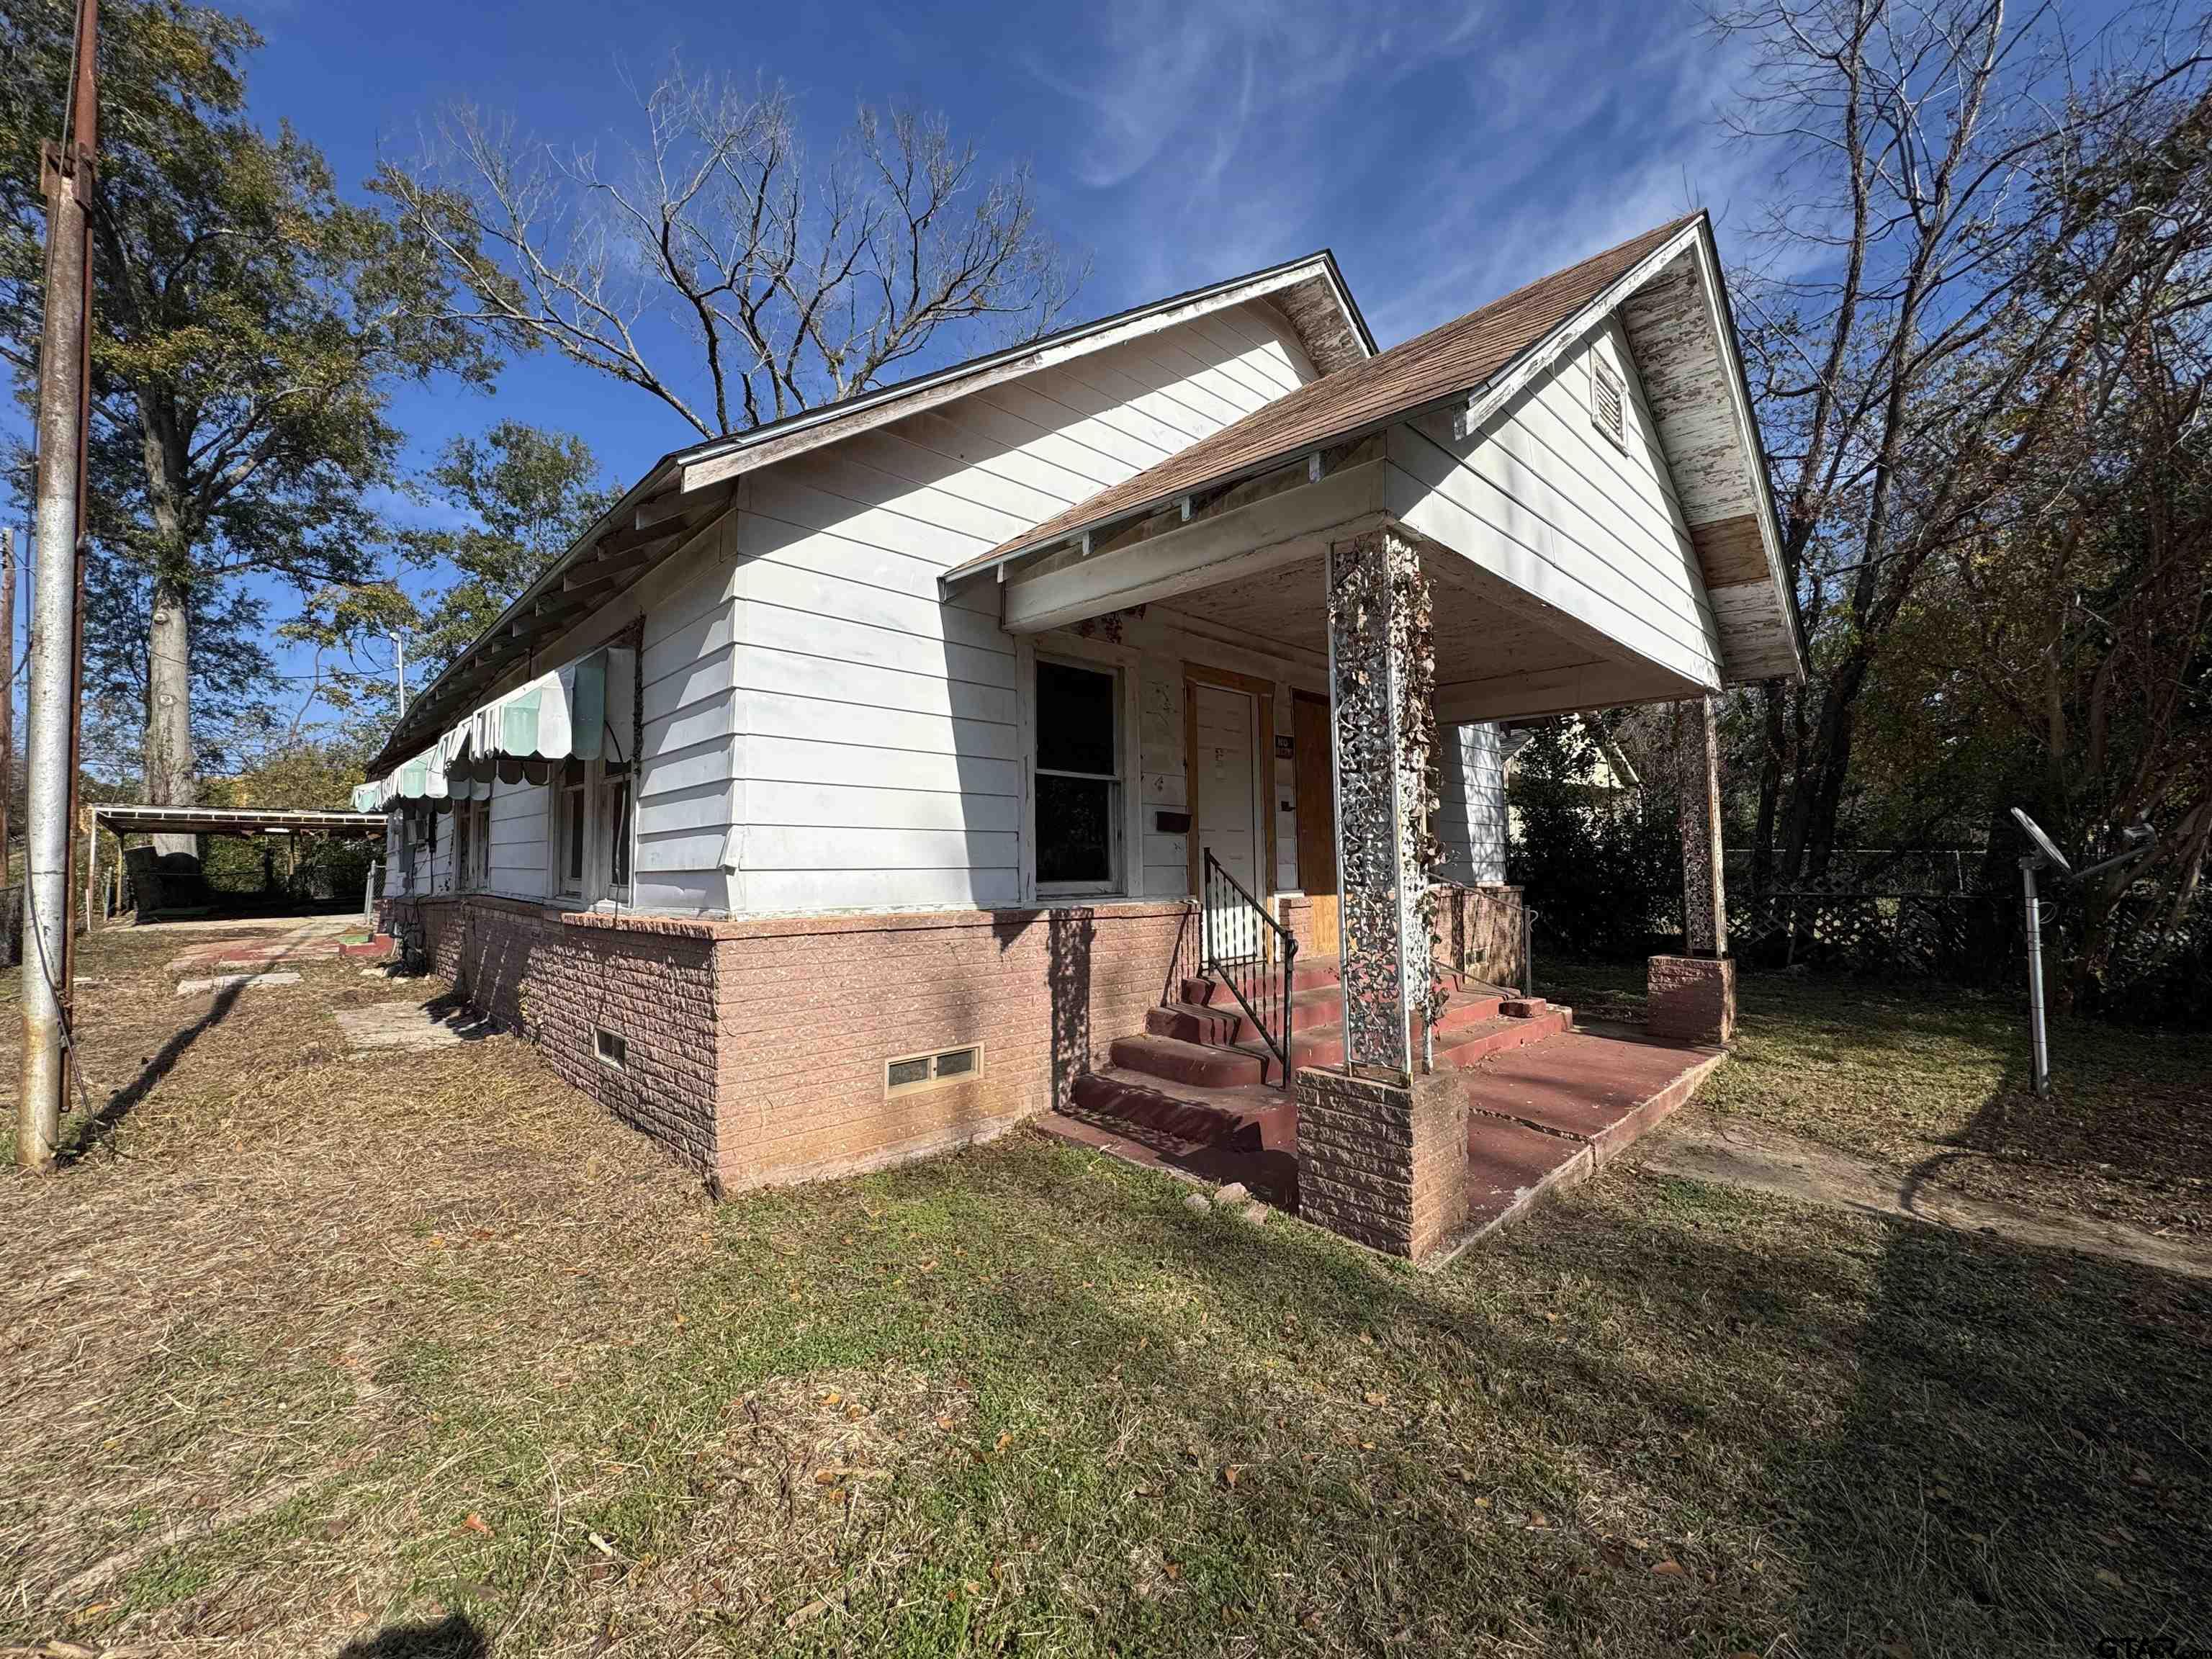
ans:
(1605, 412)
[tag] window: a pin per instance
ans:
(614, 808)
(1606, 412)
(465, 843)
(612, 1050)
(917, 1071)
(568, 828)
(1078, 778)
(472, 844)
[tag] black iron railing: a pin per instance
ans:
(1251, 953)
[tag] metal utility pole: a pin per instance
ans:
(7, 692)
(399, 668)
(65, 178)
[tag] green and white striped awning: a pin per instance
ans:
(575, 712)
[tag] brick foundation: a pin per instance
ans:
(755, 1049)
(1382, 1164)
(1692, 999)
(559, 984)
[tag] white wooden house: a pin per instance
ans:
(887, 744)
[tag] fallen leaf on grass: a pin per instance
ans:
(832, 1398)
(475, 1523)
(1229, 1473)
(1004, 1441)
(1670, 1568)
(798, 1616)
(946, 1424)
(1376, 1397)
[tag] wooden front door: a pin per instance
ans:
(1316, 805)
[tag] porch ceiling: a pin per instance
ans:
(1496, 657)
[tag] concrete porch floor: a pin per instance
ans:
(1544, 1115)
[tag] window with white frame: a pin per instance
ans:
(613, 817)
(1078, 778)
(472, 844)
(465, 844)
(571, 849)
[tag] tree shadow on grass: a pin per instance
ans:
(455, 1637)
(2023, 1468)
(95, 1130)
(1936, 1449)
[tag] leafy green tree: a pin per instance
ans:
(528, 494)
(251, 326)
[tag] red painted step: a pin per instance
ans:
(1205, 1065)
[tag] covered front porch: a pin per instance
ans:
(1554, 504)
(1362, 1047)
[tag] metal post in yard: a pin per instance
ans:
(2037, 1041)
(91, 870)
(65, 178)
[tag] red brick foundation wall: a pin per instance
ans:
(1382, 1164)
(811, 1008)
(756, 1049)
(559, 984)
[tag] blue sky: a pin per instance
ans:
(1445, 155)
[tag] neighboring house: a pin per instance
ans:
(1612, 784)
(844, 794)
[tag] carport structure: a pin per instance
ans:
(124, 818)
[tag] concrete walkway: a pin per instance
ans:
(1735, 1152)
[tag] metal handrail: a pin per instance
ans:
(1250, 922)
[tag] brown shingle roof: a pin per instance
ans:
(1456, 358)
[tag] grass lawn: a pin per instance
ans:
(1935, 1083)
(375, 1355)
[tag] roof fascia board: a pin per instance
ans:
(1723, 320)
(834, 420)
(628, 512)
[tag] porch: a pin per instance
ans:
(1554, 504)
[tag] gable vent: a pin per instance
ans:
(914, 1072)
(1606, 404)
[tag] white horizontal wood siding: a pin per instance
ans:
(687, 793)
(1544, 499)
(517, 865)
(875, 730)
(1471, 811)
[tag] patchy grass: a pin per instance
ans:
(422, 1354)
(1934, 1082)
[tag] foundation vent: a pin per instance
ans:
(1606, 404)
(911, 1073)
(612, 1050)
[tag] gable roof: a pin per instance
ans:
(654, 517)
(1478, 359)
(1442, 366)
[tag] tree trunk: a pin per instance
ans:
(170, 780)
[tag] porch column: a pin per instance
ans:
(1692, 996)
(1697, 760)
(1381, 1145)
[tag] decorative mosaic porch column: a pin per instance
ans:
(1692, 996)
(1382, 1145)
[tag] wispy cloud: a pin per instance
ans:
(1447, 156)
